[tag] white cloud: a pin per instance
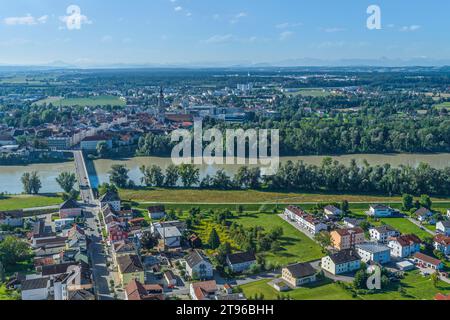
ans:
(411, 28)
(333, 29)
(27, 20)
(237, 17)
(107, 38)
(286, 25)
(178, 9)
(286, 35)
(227, 38)
(220, 38)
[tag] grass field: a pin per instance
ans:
(26, 202)
(194, 196)
(204, 229)
(8, 295)
(297, 247)
(324, 290)
(406, 227)
(416, 286)
(443, 105)
(311, 92)
(84, 102)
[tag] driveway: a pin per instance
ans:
(417, 223)
(296, 226)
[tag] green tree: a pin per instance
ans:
(425, 201)
(31, 182)
(13, 251)
(118, 175)
(214, 240)
(345, 206)
(172, 176)
(435, 279)
(153, 176)
(324, 239)
(148, 241)
(222, 251)
(189, 174)
(105, 187)
(408, 202)
(66, 181)
(26, 183)
(360, 280)
(102, 149)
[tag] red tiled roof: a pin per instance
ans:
(428, 259)
(442, 239)
(442, 297)
(407, 239)
(346, 232)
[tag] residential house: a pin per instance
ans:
(205, 290)
(423, 214)
(240, 262)
(380, 211)
(442, 244)
(195, 241)
(374, 252)
(111, 198)
(6, 140)
(443, 227)
(341, 262)
(424, 261)
(404, 246)
(156, 212)
(231, 297)
(61, 224)
(299, 274)
(382, 233)
(130, 268)
(137, 291)
(343, 239)
(91, 143)
(123, 248)
(116, 233)
(58, 282)
(198, 265)
(70, 209)
(170, 236)
(35, 289)
(170, 278)
(353, 223)
(77, 278)
(12, 218)
(305, 220)
(76, 239)
(332, 211)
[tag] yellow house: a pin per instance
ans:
(343, 239)
(130, 268)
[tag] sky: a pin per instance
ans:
(232, 31)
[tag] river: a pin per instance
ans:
(10, 176)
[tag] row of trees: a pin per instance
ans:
(32, 184)
(331, 176)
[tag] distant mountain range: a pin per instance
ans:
(302, 62)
